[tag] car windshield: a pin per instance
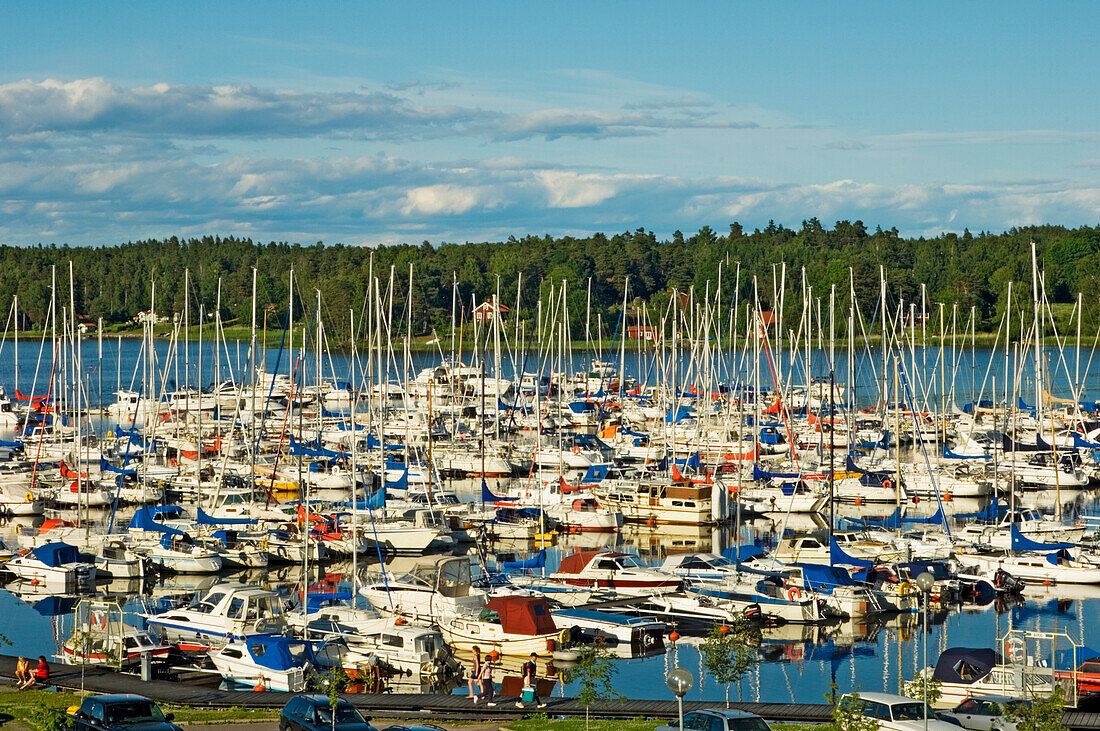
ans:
(345, 713)
(747, 724)
(132, 712)
(911, 711)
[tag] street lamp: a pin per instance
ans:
(679, 681)
(924, 582)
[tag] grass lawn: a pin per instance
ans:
(540, 722)
(36, 709)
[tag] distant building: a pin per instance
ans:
(84, 328)
(648, 333)
(484, 311)
(142, 318)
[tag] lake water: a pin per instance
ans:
(798, 663)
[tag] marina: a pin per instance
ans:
(260, 522)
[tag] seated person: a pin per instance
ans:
(41, 674)
(22, 670)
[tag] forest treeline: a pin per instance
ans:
(972, 271)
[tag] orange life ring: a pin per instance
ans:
(794, 594)
(887, 485)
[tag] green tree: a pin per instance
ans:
(594, 672)
(1042, 714)
(848, 712)
(729, 651)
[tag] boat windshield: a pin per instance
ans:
(628, 561)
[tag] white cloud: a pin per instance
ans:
(95, 105)
(573, 190)
(432, 200)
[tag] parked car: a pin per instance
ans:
(314, 713)
(120, 712)
(983, 713)
(896, 712)
(718, 720)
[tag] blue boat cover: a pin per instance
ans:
(737, 554)
(1070, 660)
(839, 555)
(489, 497)
(376, 500)
(948, 454)
(1020, 542)
(536, 562)
(936, 517)
(824, 579)
(106, 466)
(277, 652)
(675, 417)
(56, 554)
(143, 520)
(595, 473)
(203, 519)
(975, 662)
(318, 599)
(988, 513)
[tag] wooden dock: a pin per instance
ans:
(432, 706)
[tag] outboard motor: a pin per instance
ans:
(1007, 583)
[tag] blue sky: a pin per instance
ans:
(371, 123)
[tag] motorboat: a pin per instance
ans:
(273, 662)
(622, 572)
(512, 625)
(102, 637)
(431, 591)
(226, 610)
(54, 565)
(964, 672)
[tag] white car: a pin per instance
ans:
(983, 713)
(896, 712)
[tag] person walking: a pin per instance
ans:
(488, 690)
(475, 676)
(530, 691)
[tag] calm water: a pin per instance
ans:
(798, 663)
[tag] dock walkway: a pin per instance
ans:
(426, 706)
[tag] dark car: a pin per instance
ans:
(121, 711)
(314, 713)
(719, 720)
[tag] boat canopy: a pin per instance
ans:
(965, 665)
(522, 615)
(56, 554)
(277, 652)
(822, 578)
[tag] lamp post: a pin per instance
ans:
(679, 682)
(924, 582)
